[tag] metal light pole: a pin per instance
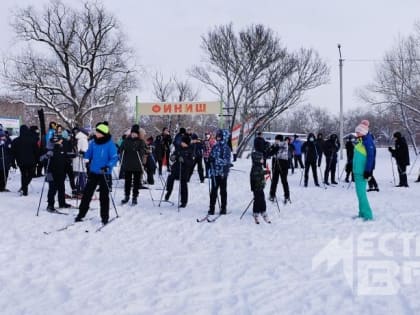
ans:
(341, 102)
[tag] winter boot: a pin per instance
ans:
(211, 211)
(125, 200)
(134, 201)
(50, 208)
(265, 217)
(222, 211)
(255, 215)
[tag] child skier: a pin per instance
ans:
(257, 186)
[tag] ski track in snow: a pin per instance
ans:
(155, 260)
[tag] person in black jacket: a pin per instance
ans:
(280, 166)
(25, 152)
(56, 159)
(6, 158)
(311, 151)
(349, 155)
(39, 166)
(257, 181)
(332, 145)
(262, 146)
(181, 167)
(133, 153)
(197, 148)
(162, 148)
(402, 157)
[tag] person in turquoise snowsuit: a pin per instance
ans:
(363, 161)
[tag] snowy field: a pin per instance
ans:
(155, 260)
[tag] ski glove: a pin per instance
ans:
(367, 175)
(105, 169)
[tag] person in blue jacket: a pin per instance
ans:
(363, 161)
(102, 155)
(220, 162)
(298, 151)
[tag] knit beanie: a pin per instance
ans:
(135, 129)
(103, 129)
(363, 128)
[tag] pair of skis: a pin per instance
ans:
(209, 218)
(67, 226)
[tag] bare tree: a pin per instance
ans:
(307, 118)
(397, 83)
(255, 76)
(162, 89)
(76, 63)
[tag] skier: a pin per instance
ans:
(6, 158)
(220, 162)
(402, 157)
(162, 148)
(102, 154)
(349, 155)
(209, 142)
(79, 163)
(332, 145)
(55, 161)
(311, 151)
(197, 154)
(51, 131)
(291, 153)
(280, 166)
(297, 144)
(25, 152)
(133, 152)
(262, 146)
(257, 186)
(150, 163)
(362, 169)
(39, 165)
(181, 167)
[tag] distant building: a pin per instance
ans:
(13, 111)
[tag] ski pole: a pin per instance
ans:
(163, 190)
(43, 185)
(277, 202)
(180, 179)
(110, 194)
(143, 171)
(4, 167)
(246, 209)
(393, 173)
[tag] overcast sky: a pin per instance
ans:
(166, 34)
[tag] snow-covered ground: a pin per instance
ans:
(157, 261)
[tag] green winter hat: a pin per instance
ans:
(103, 129)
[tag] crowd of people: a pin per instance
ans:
(87, 161)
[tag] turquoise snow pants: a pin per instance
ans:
(365, 211)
